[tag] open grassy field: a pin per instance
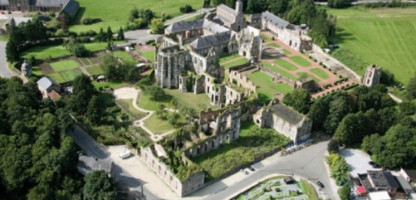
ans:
(198, 102)
(115, 13)
(285, 64)
(44, 52)
(266, 87)
(320, 73)
(157, 126)
(382, 36)
(300, 61)
(125, 56)
(127, 105)
(145, 102)
(65, 76)
(278, 70)
(253, 142)
(95, 70)
(64, 65)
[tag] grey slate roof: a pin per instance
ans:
(71, 8)
(227, 9)
(275, 19)
(52, 3)
(214, 27)
(211, 40)
(287, 114)
(184, 26)
(45, 83)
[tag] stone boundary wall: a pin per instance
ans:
(242, 80)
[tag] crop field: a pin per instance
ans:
(66, 76)
(64, 65)
(382, 36)
(115, 13)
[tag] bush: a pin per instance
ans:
(333, 146)
(344, 192)
(88, 20)
(408, 108)
(186, 9)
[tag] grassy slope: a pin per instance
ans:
(380, 36)
(116, 13)
(157, 126)
(198, 102)
(149, 55)
(125, 56)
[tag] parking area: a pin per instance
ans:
(358, 161)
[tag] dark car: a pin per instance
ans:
(375, 165)
(252, 168)
(320, 184)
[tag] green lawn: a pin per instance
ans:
(116, 13)
(308, 189)
(280, 71)
(266, 88)
(149, 55)
(125, 56)
(44, 52)
(285, 64)
(127, 105)
(253, 142)
(320, 73)
(228, 58)
(64, 65)
(95, 70)
(146, 103)
(265, 37)
(108, 84)
(157, 126)
(287, 52)
(377, 36)
(236, 63)
(301, 74)
(65, 76)
(198, 102)
(300, 61)
(272, 44)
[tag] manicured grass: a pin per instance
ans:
(95, 70)
(320, 73)
(266, 88)
(198, 102)
(377, 36)
(36, 71)
(149, 55)
(265, 37)
(116, 13)
(125, 56)
(44, 52)
(287, 52)
(85, 61)
(146, 103)
(98, 46)
(252, 143)
(66, 76)
(272, 44)
(64, 65)
(108, 84)
(301, 74)
(278, 70)
(300, 61)
(308, 189)
(228, 58)
(156, 125)
(127, 105)
(285, 64)
(236, 63)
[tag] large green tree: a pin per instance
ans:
(98, 186)
(299, 100)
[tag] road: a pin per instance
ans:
(307, 163)
(369, 1)
(4, 70)
(121, 175)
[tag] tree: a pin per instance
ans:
(156, 93)
(157, 26)
(408, 108)
(134, 14)
(109, 66)
(352, 129)
(173, 118)
(101, 36)
(319, 112)
(278, 7)
(120, 35)
(339, 3)
(338, 108)
(299, 99)
(12, 52)
(333, 146)
(109, 34)
(95, 110)
(411, 88)
(344, 192)
(186, 9)
(98, 186)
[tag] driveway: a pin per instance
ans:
(4, 70)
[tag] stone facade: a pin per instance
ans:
(231, 18)
(284, 120)
(26, 69)
(70, 7)
(170, 63)
(372, 75)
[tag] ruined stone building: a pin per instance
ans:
(284, 120)
(214, 129)
(190, 52)
(372, 75)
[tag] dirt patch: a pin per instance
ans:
(126, 93)
(46, 68)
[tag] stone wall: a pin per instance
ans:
(170, 63)
(193, 183)
(238, 78)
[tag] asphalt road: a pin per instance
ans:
(90, 147)
(4, 70)
(307, 163)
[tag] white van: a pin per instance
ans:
(125, 154)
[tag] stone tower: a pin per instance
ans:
(170, 63)
(372, 75)
(26, 69)
(239, 6)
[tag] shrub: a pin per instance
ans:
(408, 108)
(186, 9)
(88, 20)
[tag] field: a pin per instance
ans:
(285, 64)
(64, 65)
(116, 13)
(320, 73)
(198, 102)
(127, 105)
(253, 142)
(266, 87)
(157, 126)
(95, 70)
(66, 76)
(300, 61)
(149, 55)
(146, 103)
(125, 56)
(377, 36)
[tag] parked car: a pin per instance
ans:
(252, 168)
(375, 165)
(125, 154)
(320, 184)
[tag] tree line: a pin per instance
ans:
(37, 158)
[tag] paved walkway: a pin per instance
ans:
(4, 69)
